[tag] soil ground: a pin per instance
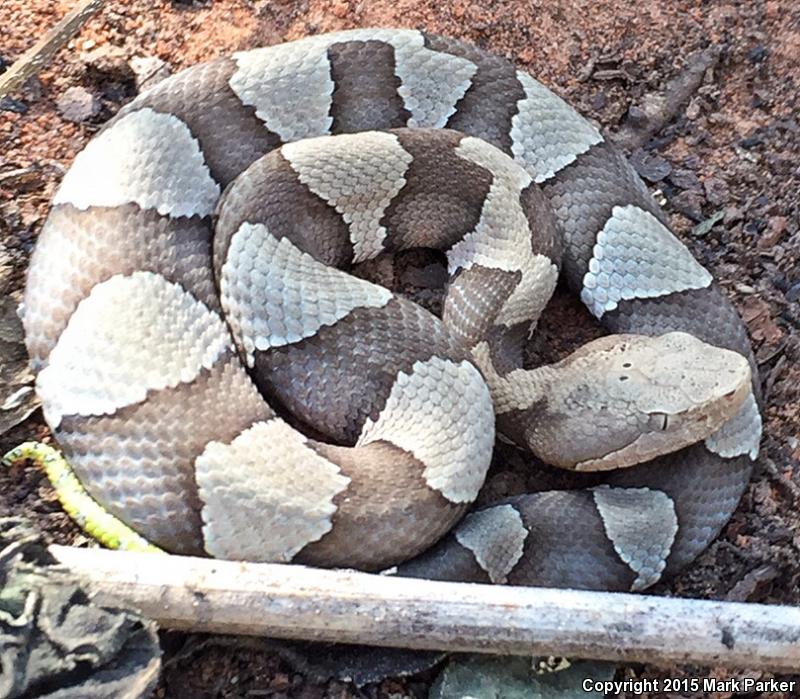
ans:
(732, 153)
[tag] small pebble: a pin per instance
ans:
(690, 204)
(340, 8)
(652, 167)
(755, 226)
(793, 293)
(760, 99)
(757, 54)
(9, 104)
(776, 227)
(637, 116)
(733, 214)
(693, 110)
(280, 682)
(78, 104)
(717, 191)
(761, 200)
(692, 162)
(751, 141)
(705, 226)
(685, 179)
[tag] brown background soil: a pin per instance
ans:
(735, 148)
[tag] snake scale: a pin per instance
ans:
(190, 304)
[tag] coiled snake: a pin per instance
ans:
(155, 334)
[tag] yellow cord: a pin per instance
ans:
(78, 504)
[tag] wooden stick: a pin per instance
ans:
(288, 601)
(659, 108)
(43, 50)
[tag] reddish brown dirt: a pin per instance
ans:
(735, 149)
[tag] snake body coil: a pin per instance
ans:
(192, 263)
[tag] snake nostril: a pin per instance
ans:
(627, 365)
(623, 378)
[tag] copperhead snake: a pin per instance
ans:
(189, 305)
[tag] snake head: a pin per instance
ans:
(625, 399)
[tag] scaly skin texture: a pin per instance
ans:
(182, 424)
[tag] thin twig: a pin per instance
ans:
(43, 50)
(658, 109)
(16, 174)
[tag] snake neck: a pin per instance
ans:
(516, 394)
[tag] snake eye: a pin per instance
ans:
(660, 421)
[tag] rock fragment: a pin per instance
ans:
(78, 104)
